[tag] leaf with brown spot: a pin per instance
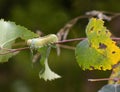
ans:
(98, 51)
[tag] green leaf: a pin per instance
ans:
(46, 73)
(9, 31)
(98, 51)
(89, 58)
(43, 46)
(110, 88)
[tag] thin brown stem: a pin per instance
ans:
(70, 40)
(66, 47)
(19, 49)
(79, 39)
(59, 42)
(104, 79)
(14, 50)
(115, 38)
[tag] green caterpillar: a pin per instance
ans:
(42, 41)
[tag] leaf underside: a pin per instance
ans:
(46, 73)
(9, 32)
(110, 88)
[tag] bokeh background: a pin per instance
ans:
(48, 16)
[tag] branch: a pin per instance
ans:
(13, 50)
(104, 79)
(79, 39)
(66, 47)
(115, 38)
(70, 40)
(63, 32)
(59, 42)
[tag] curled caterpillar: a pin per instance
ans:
(42, 41)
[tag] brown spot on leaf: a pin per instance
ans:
(106, 32)
(102, 46)
(113, 52)
(91, 29)
(92, 67)
(99, 32)
(101, 68)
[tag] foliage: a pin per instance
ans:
(97, 51)
(45, 71)
(9, 32)
(101, 52)
(110, 88)
(43, 46)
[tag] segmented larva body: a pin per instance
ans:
(42, 41)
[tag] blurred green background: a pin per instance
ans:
(48, 16)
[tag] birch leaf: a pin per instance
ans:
(110, 88)
(98, 51)
(9, 31)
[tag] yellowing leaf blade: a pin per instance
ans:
(99, 51)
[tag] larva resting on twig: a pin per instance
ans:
(42, 41)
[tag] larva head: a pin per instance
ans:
(29, 42)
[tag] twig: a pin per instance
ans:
(66, 47)
(115, 38)
(70, 40)
(59, 42)
(14, 50)
(103, 14)
(79, 39)
(63, 32)
(104, 79)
